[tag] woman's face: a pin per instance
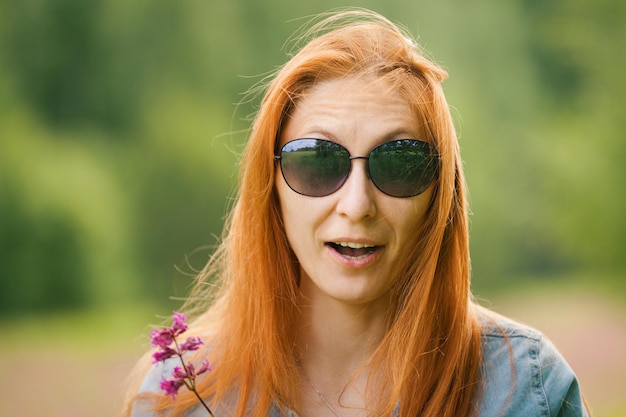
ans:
(328, 234)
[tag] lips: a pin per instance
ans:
(353, 250)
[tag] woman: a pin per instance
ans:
(343, 276)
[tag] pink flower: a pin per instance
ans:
(192, 343)
(171, 387)
(205, 367)
(180, 374)
(179, 323)
(164, 340)
(163, 354)
(164, 337)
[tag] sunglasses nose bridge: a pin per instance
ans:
(352, 158)
(356, 198)
(367, 167)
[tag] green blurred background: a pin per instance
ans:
(120, 126)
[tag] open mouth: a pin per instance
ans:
(353, 250)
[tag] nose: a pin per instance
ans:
(356, 195)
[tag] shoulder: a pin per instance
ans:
(523, 373)
(150, 390)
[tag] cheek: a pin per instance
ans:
(292, 210)
(283, 203)
(422, 207)
(410, 218)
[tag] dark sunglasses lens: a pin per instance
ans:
(314, 167)
(403, 168)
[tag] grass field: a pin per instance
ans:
(76, 365)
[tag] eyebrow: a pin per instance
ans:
(400, 133)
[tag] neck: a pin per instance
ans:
(336, 339)
(334, 343)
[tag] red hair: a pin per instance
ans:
(244, 301)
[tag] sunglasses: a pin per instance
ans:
(399, 168)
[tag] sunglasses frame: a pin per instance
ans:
(434, 157)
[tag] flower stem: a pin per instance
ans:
(202, 402)
(191, 380)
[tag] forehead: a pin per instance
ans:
(346, 108)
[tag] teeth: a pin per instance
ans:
(353, 245)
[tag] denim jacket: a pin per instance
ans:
(523, 375)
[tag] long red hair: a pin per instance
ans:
(244, 301)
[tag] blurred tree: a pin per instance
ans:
(43, 262)
(65, 240)
(537, 88)
(573, 48)
(180, 172)
(118, 136)
(58, 58)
